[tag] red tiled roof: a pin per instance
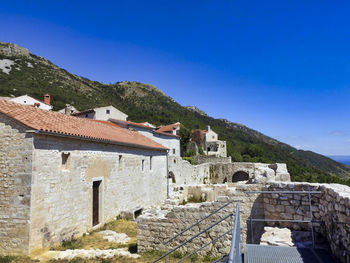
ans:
(168, 128)
(167, 134)
(59, 123)
(83, 112)
(142, 125)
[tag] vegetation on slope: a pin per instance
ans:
(144, 102)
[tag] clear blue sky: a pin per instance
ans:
(280, 67)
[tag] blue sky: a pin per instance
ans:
(280, 67)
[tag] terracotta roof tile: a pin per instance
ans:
(167, 134)
(60, 123)
(168, 128)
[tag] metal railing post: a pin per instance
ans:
(235, 251)
(311, 220)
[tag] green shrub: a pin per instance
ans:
(189, 159)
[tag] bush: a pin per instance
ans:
(189, 159)
(200, 151)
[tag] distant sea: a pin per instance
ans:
(345, 159)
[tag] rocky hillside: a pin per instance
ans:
(24, 73)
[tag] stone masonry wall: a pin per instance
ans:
(257, 172)
(331, 207)
(186, 173)
(15, 186)
(62, 197)
(218, 173)
(199, 159)
(335, 212)
(156, 228)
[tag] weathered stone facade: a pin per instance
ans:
(218, 173)
(199, 159)
(44, 201)
(255, 172)
(15, 186)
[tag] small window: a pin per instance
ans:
(25, 101)
(87, 115)
(108, 111)
(143, 165)
(65, 161)
(174, 151)
(150, 162)
(120, 162)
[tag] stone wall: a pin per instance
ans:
(257, 172)
(15, 186)
(218, 173)
(62, 196)
(155, 227)
(200, 159)
(185, 173)
(331, 208)
(335, 213)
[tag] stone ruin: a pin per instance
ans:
(190, 202)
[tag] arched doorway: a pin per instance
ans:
(172, 177)
(240, 176)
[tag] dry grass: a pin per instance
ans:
(94, 241)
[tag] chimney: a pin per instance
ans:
(208, 128)
(47, 99)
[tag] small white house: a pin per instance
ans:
(102, 113)
(27, 100)
(168, 139)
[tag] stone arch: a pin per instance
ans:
(240, 176)
(171, 176)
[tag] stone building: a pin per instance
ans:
(61, 175)
(209, 142)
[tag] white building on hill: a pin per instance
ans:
(102, 113)
(27, 100)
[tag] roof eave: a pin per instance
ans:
(96, 140)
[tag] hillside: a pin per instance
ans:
(24, 73)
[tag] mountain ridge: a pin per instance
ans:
(33, 75)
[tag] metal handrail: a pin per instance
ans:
(195, 236)
(200, 221)
(235, 251)
(219, 259)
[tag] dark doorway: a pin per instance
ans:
(95, 202)
(172, 177)
(240, 176)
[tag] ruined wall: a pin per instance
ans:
(335, 212)
(199, 159)
(156, 228)
(331, 208)
(15, 185)
(185, 173)
(62, 196)
(219, 172)
(258, 172)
